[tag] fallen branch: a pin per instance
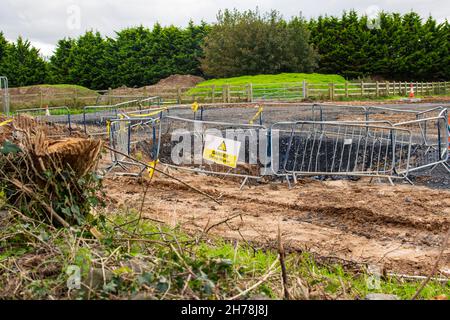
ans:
(33, 195)
(257, 284)
(164, 173)
(221, 222)
(282, 255)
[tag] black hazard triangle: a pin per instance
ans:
(223, 147)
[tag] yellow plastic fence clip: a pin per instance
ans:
(5, 122)
(108, 126)
(195, 106)
(151, 169)
(260, 110)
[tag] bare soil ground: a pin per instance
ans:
(400, 228)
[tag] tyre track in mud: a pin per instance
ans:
(333, 216)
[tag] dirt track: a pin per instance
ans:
(400, 228)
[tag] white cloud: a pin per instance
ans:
(46, 21)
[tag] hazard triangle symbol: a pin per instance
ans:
(223, 147)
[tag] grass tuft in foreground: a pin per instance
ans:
(120, 256)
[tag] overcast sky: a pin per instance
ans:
(44, 22)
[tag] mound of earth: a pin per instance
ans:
(49, 90)
(171, 82)
(182, 81)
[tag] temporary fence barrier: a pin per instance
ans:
(149, 102)
(125, 133)
(4, 95)
(430, 137)
(318, 139)
(182, 145)
(94, 118)
(48, 117)
(341, 149)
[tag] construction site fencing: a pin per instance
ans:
(48, 117)
(94, 119)
(420, 135)
(430, 140)
(127, 134)
(428, 129)
(317, 148)
(182, 142)
(150, 102)
(4, 95)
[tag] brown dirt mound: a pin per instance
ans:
(171, 82)
(182, 81)
(48, 90)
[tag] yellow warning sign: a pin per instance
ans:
(221, 151)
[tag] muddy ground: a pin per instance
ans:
(398, 228)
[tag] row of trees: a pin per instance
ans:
(22, 62)
(135, 57)
(394, 47)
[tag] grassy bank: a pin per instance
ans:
(276, 79)
(125, 257)
(52, 95)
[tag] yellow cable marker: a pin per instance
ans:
(195, 106)
(260, 110)
(108, 126)
(151, 169)
(5, 122)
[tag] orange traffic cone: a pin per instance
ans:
(411, 92)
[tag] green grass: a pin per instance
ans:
(174, 265)
(55, 95)
(267, 85)
(71, 87)
(65, 88)
(276, 79)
